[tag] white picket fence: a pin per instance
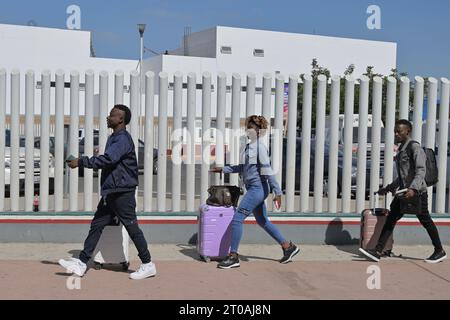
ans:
(228, 125)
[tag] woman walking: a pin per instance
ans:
(259, 179)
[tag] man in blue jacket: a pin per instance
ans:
(118, 185)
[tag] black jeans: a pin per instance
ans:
(122, 205)
(397, 212)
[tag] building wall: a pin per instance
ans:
(284, 53)
(33, 48)
(199, 44)
(290, 53)
(198, 65)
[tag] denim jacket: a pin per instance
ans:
(411, 172)
(248, 167)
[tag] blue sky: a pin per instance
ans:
(420, 28)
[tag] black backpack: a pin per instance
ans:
(223, 196)
(431, 172)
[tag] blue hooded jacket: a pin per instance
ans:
(119, 164)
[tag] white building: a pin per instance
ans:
(259, 51)
(219, 49)
(237, 50)
(34, 48)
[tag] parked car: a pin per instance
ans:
(52, 145)
(36, 166)
(140, 154)
(340, 169)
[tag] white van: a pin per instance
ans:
(36, 164)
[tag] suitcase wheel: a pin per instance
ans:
(125, 266)
(98, 266)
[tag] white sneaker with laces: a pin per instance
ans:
(73, 265)
(146, 270)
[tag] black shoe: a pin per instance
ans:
(371, 254)
(289, 253)
(437, 256)
(232, 261)
(387, 253)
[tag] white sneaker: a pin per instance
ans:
(73, 265)
(146, 270)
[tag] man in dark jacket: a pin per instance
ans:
(411, 164)
(118, 185)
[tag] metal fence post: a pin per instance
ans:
(2, 137)
(191, 152)
(334, 140)
(103, 129)
(320, 142)
(418, 109)
(58, 182)
(291, 143)
(250, 96)
(14, 155)
(221, 116)
(389, 134)
(430, 137)
(29, 139)
(73, 137)
(88, 137)
(348, 143)
(377, 96)
(443, 147)
(206, 139)
(177, 139)
(162, 140)
(305, 169)
(235, 124)
(148, 140)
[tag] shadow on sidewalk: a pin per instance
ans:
(74, 253)
(340, 238)
(190, 249)
(247, 258)
(49, 262)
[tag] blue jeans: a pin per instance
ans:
(253, 202)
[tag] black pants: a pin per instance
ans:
(397, 212)
(122, 205)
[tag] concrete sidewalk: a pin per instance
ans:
(30, 271)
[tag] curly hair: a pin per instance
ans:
(259, 121)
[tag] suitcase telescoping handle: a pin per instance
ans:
(377, 198)
(221, 173)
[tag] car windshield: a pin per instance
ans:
(8, 140)
(96, 140)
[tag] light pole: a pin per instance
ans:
(141, 28)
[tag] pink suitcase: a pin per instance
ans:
(214, 232)
(372, 222)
